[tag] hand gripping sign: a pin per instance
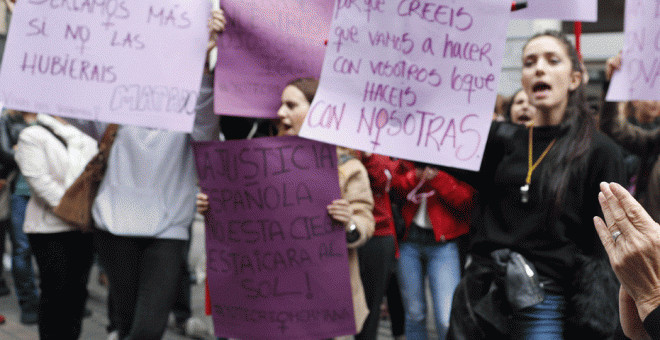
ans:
(277, 265)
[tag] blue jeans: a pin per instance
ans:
(21, 255)
(544, 321)
(420, 255)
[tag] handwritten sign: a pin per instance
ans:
(267, 44)
(410, 79)
(126, 62)
(640, 69)
(277, 266)
(572, 10)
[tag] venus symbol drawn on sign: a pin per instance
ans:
(81, 33)
(381, 120)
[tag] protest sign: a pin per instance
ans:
(410, 79)
(640, 67)
(570, 10)
(277, 265)
(267, 44)
(126, 62)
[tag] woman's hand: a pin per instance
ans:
(202, 203)
(631, 323)
(427, 174)
(216, 25)
(10, 5)
(632, 241)
(340, 211)
(612, 64)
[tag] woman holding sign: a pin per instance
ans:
(354, 209)
(537, 270)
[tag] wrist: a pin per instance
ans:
(647, 306)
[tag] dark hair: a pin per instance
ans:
(308, 87)
(569, 154)
(509, 104)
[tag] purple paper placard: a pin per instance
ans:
(277, 266)
(640, 67)
(572, 10)
(411, 80)
(127, 62)
(266, 44)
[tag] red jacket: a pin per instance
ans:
(378, 168)
(449, 208)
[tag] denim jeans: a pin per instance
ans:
(421, 255)
(544, 321)
(21, 255)
(144, 276)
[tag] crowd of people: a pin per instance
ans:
(510, 251)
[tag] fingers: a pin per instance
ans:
(419, 173)
(604, 235)
(340, 211)
(431, 173)
(639, 218)
(202, 203)
(605, 204)
(217, 21)
(612, 64)
(615, 214)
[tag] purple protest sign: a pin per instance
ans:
(266, 44)
(640, 66)
(572, 10)
(127, 62)
(410, 79)
(277, 266)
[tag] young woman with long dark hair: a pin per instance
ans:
(355, 207)
(533, 247)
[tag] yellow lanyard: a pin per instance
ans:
(530, 166)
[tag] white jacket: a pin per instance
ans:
(50, 168)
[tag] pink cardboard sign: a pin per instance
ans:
(127, 62)
(640, 67)
(267, 43)
(277, 266)
(411, 80)
(571, 10)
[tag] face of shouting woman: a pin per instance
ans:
(548, 77)
(292, 112)
(522, 112)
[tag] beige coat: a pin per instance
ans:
(355, 188)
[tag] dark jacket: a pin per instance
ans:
(10, 127)
(642, 142)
